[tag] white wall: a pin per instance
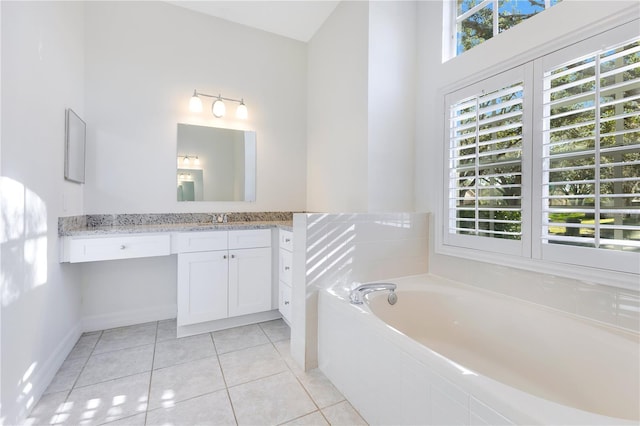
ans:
(361, 104)
(571, 18)
(143, 61)
(42, 74)
(392, 75)
(337, 111)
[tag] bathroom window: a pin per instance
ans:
(590, 159)
(486, 130)
(475, 21)
(548, 155)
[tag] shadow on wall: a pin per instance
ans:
(23, 250)
(346, 248)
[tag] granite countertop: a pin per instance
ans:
(175, 227)
(93, 225)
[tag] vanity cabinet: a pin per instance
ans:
(285, 255)
(223, 274)
(92, 249)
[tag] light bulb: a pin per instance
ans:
(218, 109)
(186, 161)
(242, 112)
(196, 162)
(195, 104)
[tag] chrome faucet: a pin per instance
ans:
(357, 294)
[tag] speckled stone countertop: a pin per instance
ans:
(91, 225)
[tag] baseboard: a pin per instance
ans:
(43, 376)
(124, 318)
(222, 324)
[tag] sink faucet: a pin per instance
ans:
(357, 294)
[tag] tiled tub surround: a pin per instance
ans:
(343, 248)
(467, 356)
(142, 374)
(169, 222)
(615, 306)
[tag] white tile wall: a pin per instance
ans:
(343, 248)
(608, 304)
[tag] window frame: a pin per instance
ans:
(610, 267)
(612, 260)
(520, 247)
(452, 20)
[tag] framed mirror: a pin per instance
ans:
(75, 139)
(215, 164)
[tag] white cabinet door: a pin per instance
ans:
(202, 286)
(249, 281)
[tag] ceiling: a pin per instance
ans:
(296, 19)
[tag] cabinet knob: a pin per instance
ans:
(286, 268)
(287, 240)
(224, 257)
(233, 256)
(122, 247)
(286, 302)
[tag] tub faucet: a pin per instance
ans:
(357, 294)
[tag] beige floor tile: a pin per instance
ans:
(184, 381)
(45, 411)
(314, 419)
(237, 338)
(250, 364)
(343, 414)
(185, 349)
(126, 337)
(166, 330)
(276, 330)
(284, 349)
(116, 364)
(137, 420)
(85, 345)
(106, 401)
(320, 388)
(67, 375)
(211, 409)
(269, 401)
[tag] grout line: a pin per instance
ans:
(73, 386)
(153, 360)
(224, 379)
(299, 417)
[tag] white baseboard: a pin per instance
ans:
(44, 374)
(124, 318)
(222, 324)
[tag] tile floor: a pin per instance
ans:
(144, 375)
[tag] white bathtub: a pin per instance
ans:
(447, 353)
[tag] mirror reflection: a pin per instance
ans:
(215, 164)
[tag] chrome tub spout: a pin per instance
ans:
(357, 294)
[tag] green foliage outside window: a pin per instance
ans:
(479, 27)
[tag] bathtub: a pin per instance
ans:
(447, 353)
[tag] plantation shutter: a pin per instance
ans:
(485, 156)
(591, 150)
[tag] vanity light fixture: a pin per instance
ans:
(186, 160)
(218, 107)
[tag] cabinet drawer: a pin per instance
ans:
(250, 239)
(286, 239)
(201, 241)
(284, 304)
(111, 248)
(286, 260)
